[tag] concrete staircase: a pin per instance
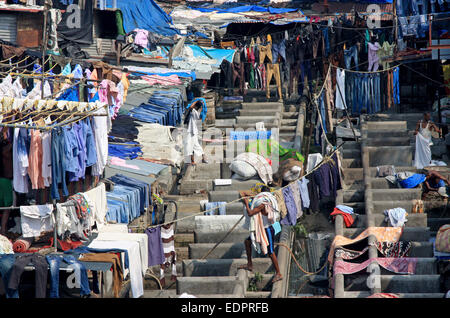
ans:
(385, 143)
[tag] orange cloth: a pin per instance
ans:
(348, 218)
(382, 234)
(35, 160)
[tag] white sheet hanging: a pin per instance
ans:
(423, 152)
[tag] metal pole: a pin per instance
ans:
(47, 5)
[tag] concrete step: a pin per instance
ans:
(223, 195)
(222, 251)
(419, 234)
(351, 163)
(290, 115)
(410, 283)
(352, 145)
(396, 194)
(436, 223)
(261, 112)
(353, 196)
(165, 293)
(414, 220)
(356, 185)
(223, 267)
(256, 119)
(351, 153)
(238, 235)
(184, 239)
(388, 141)
(206, 285)
(237, 185)
(287, 136)
(397, 156)
(262, 105)
(267, 125)
(351, 174)
(289, 122)
(286, 129)
(386, 134)
(421, 249)
(380, 206)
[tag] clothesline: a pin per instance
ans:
(366, 72)
(324, 161)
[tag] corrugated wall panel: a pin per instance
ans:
(8, 27)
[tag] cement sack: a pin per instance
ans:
(243, 169)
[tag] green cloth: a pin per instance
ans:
(257, 147)
(6, 193)
(252, 77)
(119, 22)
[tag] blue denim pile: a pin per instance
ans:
(163, 107)
(125, 152)
(413, 16)
(128, 200)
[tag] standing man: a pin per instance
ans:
(261, 220)
(423, 131)
(192, 145)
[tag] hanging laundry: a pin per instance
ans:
(348, 218)
(396, 217)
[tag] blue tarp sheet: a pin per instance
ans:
(144, 14)
(218, 54)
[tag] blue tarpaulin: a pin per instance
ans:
(218, 54)
(144, 14)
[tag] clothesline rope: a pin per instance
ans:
(366, 72)
(324, 161)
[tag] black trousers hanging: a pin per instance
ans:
(41, 269)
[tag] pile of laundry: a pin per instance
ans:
(346, 212)
(396, 217)
(405, 179)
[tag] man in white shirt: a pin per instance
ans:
(192, 145)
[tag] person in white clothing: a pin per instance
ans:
(192, 145)
(423, 131)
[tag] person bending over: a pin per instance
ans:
(264, 203)
(434, 180)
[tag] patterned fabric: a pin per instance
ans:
(298, 201)
(281, 205)
(382, 234)
(443, 239)
(396, 265)
(259, 163)
(384, 295)
(347, 254)
(394, 249)
(291, 217)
